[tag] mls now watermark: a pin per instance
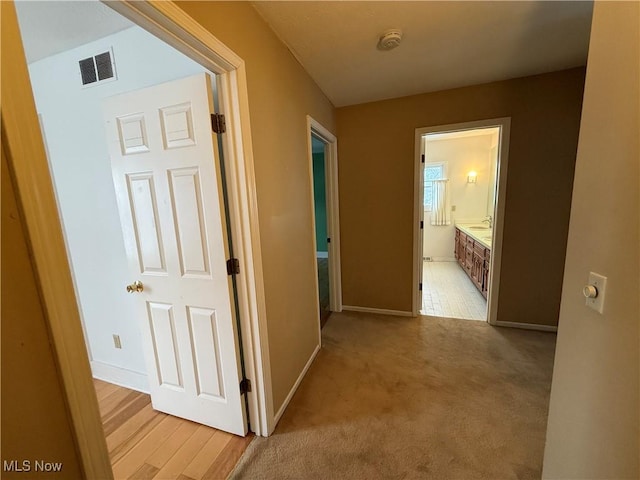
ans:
(31, 466)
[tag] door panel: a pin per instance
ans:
(148, 236)
(186, 200)
(165, 349)
(166, 175)
(204, 336)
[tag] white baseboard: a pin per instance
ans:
(526, 326)
(380, 311)
(276, 419)
(439, 259)
(120, 376)
(322, 254)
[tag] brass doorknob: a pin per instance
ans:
(135, 287)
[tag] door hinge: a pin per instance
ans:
(420, 286)
(245, 386)
(328, 240)
(421, 224)
(423, 158)
(233, 266)
(218, 124)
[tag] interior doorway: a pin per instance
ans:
(460, 191)
(173, 228)
(318, 148)
(323, 173)
(459, 202)
(88, 158)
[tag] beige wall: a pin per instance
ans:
(35, 424)
(376, 155)
(593, 414)
(281, 94)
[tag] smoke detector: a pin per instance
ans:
(390, 39)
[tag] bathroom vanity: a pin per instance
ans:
(473, 253)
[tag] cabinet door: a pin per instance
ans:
(477, 271)
(468, 255)
(461, 249)
(485, 270)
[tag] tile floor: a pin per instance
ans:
(447, 291)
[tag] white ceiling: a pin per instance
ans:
(50, 27)
(446, 44)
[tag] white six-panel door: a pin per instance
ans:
(167, 180)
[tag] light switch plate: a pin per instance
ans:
(600, 282)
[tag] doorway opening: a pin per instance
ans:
(320, 214)
(460, 187)
(323, 171)
(87, 205)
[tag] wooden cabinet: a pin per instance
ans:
(468, 255)
(461, 247)
(485, 281)
(474, 258)
(477, 265)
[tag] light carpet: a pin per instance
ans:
(413, 398)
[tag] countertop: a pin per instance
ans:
(478, 231)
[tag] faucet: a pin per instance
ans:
(489, 220)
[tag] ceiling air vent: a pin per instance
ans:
(97, 69)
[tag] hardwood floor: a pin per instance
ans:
(146, 444)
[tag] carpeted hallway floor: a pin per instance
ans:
(413, 398)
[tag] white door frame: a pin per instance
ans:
(316, 129)
(498, 223)
(28, 164)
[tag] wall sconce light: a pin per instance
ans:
(472, 177)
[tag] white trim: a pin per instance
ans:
(418, 218)
(172, 25)
(316, 129)
(175, 27)
(526, 326)
(322, 254)
(498, 222)
(246, 236)
(285, 404)
(378, 311)
(496, 251)
(120, 376)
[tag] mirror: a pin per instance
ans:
(493, 172)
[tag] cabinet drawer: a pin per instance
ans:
(480, 249)
(470, 242)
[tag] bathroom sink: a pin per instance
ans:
(478, 227)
